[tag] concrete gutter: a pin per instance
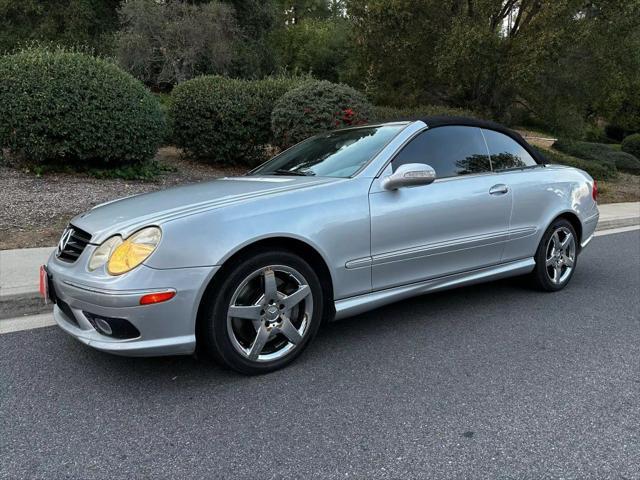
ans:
(19, 268)
(616, 215)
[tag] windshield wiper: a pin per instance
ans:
(296, 173)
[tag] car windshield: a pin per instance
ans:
(333, 154)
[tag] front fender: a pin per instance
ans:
(333, 219)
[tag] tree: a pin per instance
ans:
(296, 11)
(166, 43)
(562, 61)
(612, 66)
(253, 57)
(66, 22)
(395, 43)
(318, 46)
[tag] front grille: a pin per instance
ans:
(72, 243)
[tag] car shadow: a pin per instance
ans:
(339, 341)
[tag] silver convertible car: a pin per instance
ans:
(245, 269)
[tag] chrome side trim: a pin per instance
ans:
(592, 218)
(586, 241)
(355, 305)
(517, 233)
(440, 247)
(358, 263)
(590, 223)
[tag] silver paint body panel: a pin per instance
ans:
(379, 246)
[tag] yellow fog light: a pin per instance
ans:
(134, 250)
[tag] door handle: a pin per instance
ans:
(499, 189)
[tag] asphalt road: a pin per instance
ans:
(492, 381)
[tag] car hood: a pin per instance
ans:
(128, 214)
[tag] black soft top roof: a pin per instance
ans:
(440, 120)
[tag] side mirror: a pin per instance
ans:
(409, 175)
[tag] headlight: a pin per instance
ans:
(103, 252)
(134, 250)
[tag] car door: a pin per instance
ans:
(533, 196)
(459, 222)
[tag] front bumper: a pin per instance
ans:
(166, 328)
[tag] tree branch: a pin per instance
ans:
(535, 9)
(521, 9)
(502, 13)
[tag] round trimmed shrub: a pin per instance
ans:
(631, 145)
(315, 107)
(598, 170)
(60, 106)
(599, 152)
(225, 120)
(267, 93)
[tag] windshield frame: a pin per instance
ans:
(402, 124)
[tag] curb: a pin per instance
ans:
(21, 294)
(612, 223)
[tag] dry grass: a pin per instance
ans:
(539, 139)
(625, 188)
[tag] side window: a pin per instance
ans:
(450, 150)
(506, 152)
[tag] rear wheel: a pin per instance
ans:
(556, 257)
(265, 313)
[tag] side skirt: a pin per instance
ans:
(355, 305)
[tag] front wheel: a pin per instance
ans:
(265, 313)
(556, 257)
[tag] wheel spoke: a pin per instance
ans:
(568, 261)
(566, 242)
(289, 331)
(250, 312)
(259, 342)
(270, 285)
(557, 274)
(555, 239)
(296, 297)
(550, 261)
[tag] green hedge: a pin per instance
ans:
(599, 152)
(224, 120)
(268, 92)
(315, 107)
(593, 133)
(631, 145)
(598, 170)
(391, 114)
(64, 107)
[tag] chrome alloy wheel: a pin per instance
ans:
(269, 313)
(560, 255)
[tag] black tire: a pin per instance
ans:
(540, 277)
(214, 338)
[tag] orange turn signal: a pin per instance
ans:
(156, 297)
